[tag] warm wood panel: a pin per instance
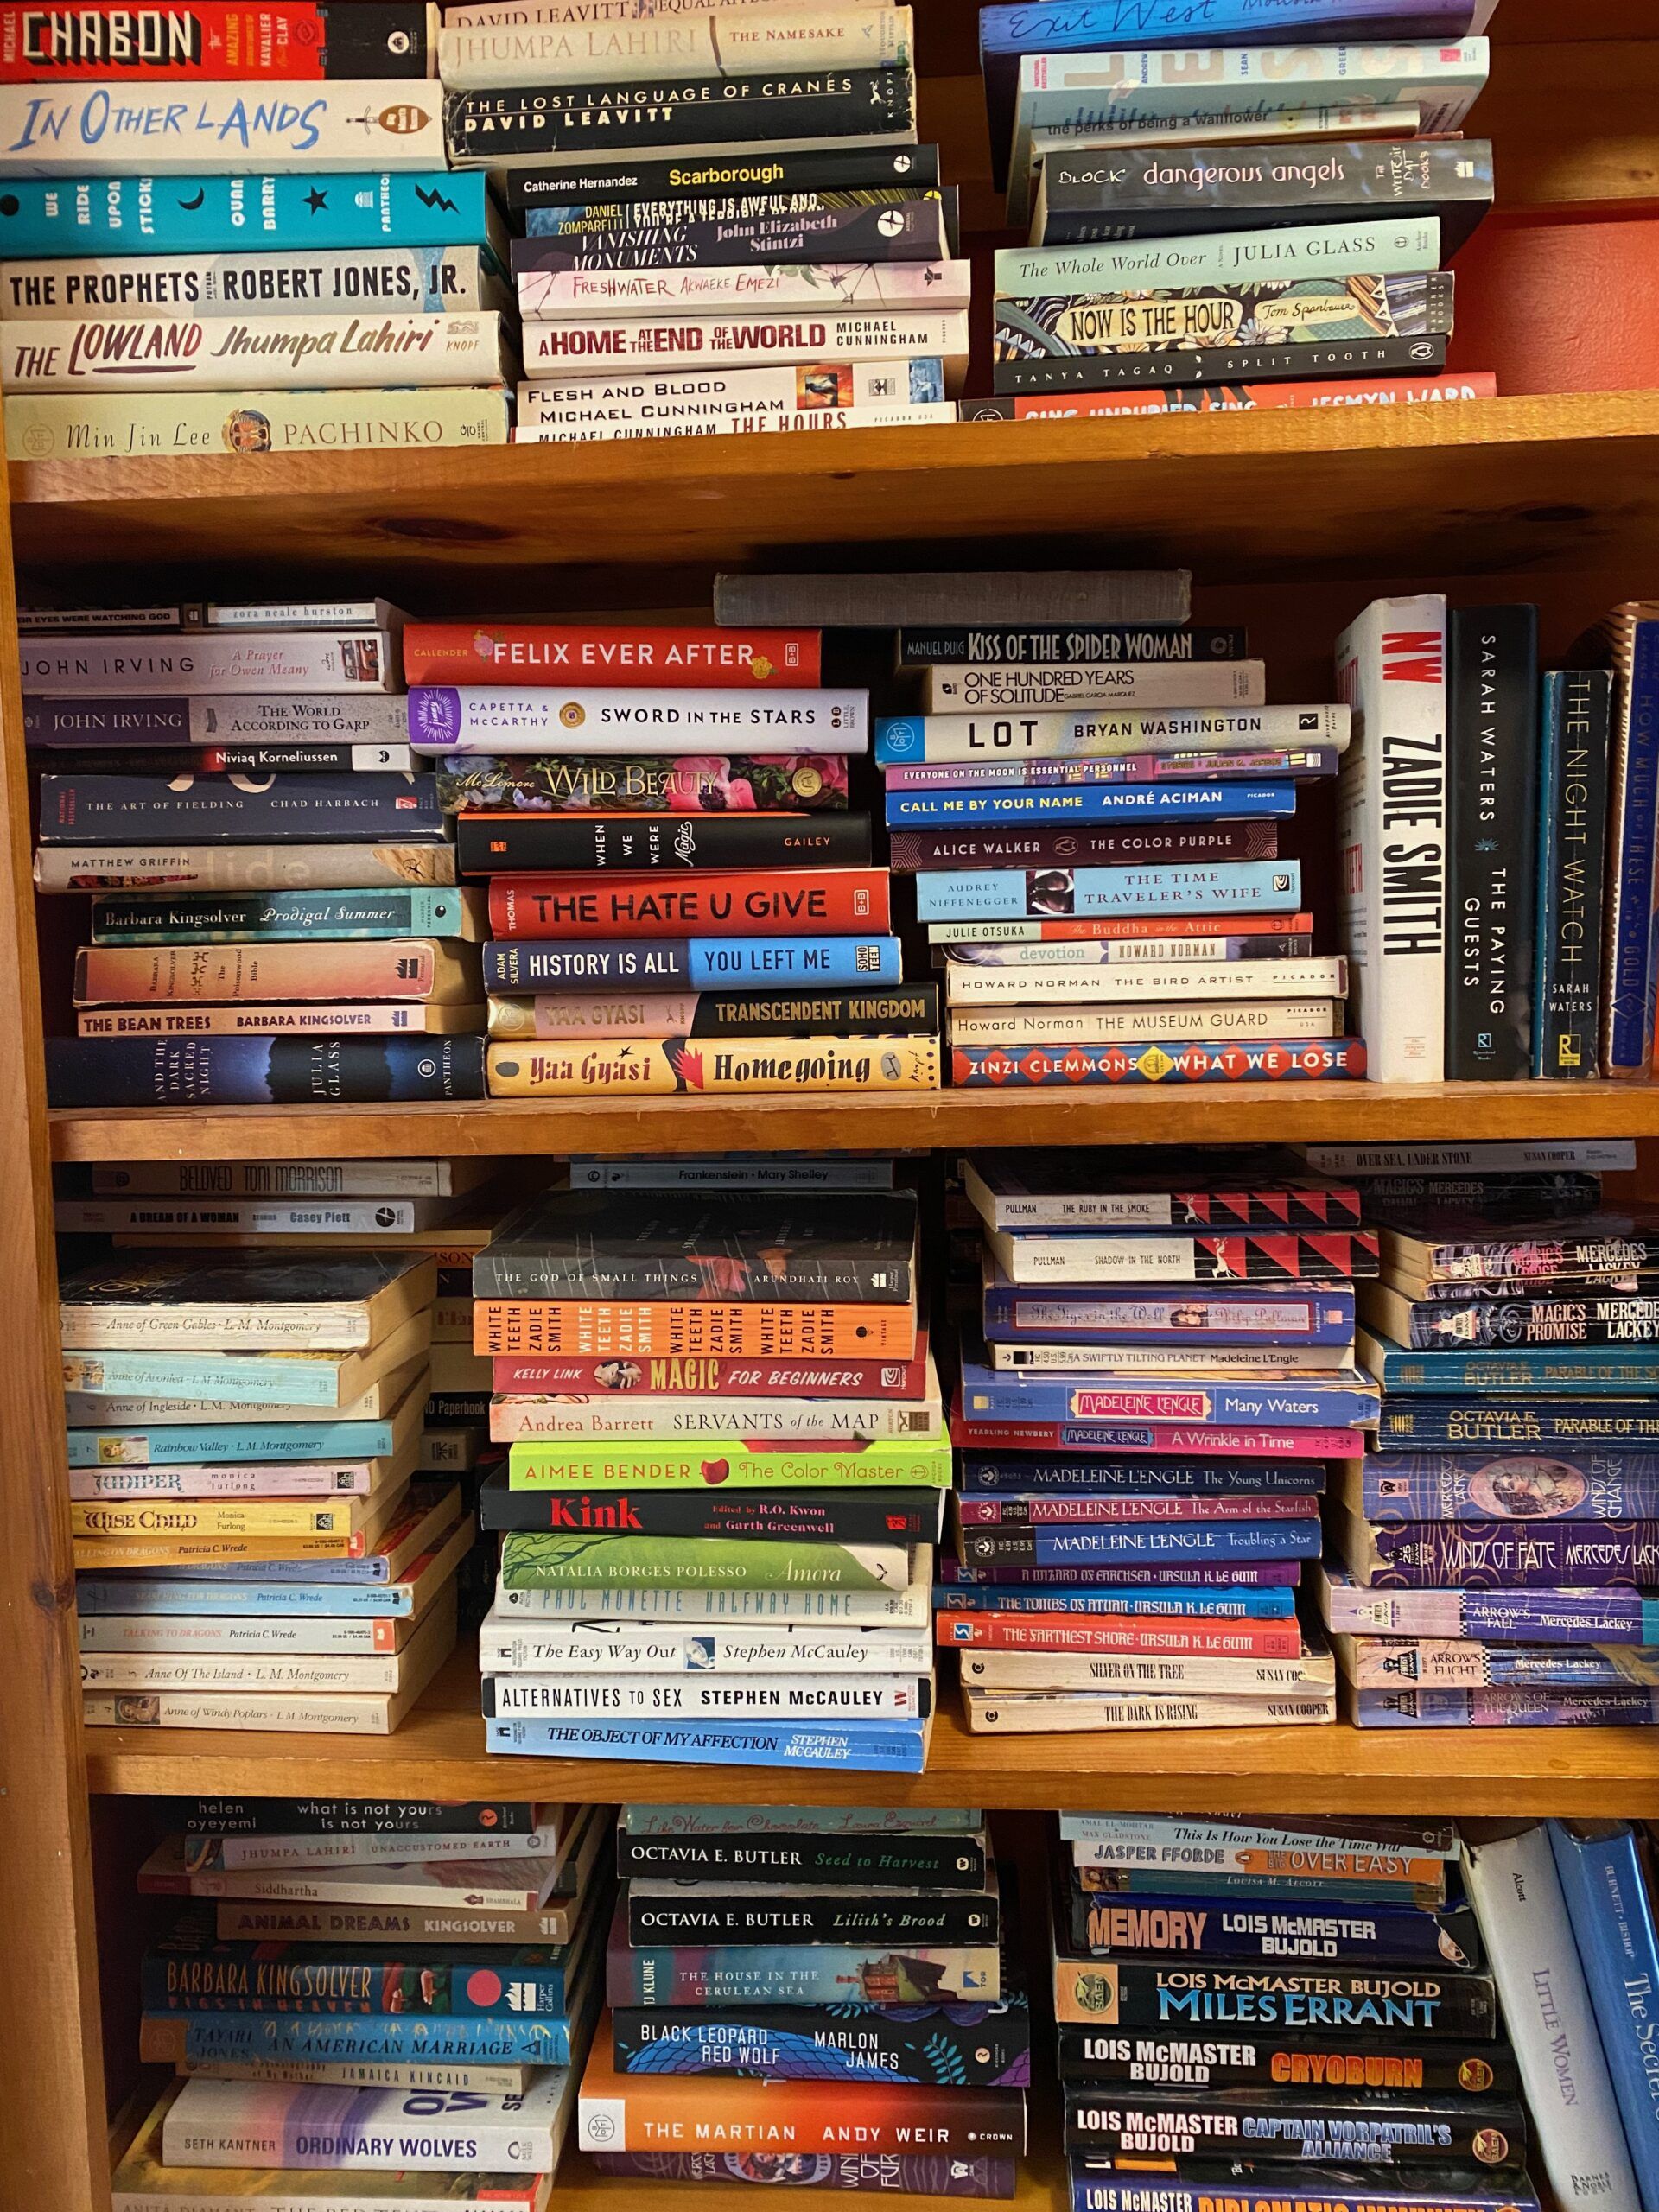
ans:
(1572, 124)
(439, 1753)
(1540, 484)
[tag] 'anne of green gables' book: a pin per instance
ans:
(226, 1301)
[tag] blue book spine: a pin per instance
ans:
(1527, 1370)
(990, 1394)
(1209, 1605)
(235, 213)
(692, 964)
(387, 2037)
(1456, 1427)
(1627, 1023)
(1575, 730)
(143, 1595)
(227, 1444)
(1604, 1881)
(914, 809)
(1518, 1487)
(1170, 1544)
(307, 1979)
(1218, 1927)
(998, 894)
(1208, 1312)
(996, 1476)
(1506, 1708)
(864, 1747)
(260, 1071)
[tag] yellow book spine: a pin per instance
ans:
(639, 1067)
(276, 1517)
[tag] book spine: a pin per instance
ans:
(1598, 1369)
(792, 902)
(1069, 1640)
(1233, 1313)
(670, 1067)
(1125, 684)
(874, 225)
(478, 719)
(219, 867)
(909, 851)
(1627, 1014)
(751, 288)
(349, 718)
(112, 352)
(1478, 2075)
(1249, 398)
(881, 1515)
(552, 1560)
(299, 660)
(230, 213)
(394, 967)
(261, 1070)
(1171, 1546)
(1235, 1020)
(935, 646)
(1151, 1993)
(845, 171)
(417, 280)
(1223, 260)
(645, 401)
(1038, 1714)
(48, 426)
(284, 1178)
(713, 421)
(603, 343)
(1087, 730)
(1005, 893)
(332, 1977)
(278, 915)
(1603, 1880)
(1410, 2132)
(561, 1466)
(687, 784)
(1161, 799)
(1103, 2191)
(395, 2037)
(656, 2109)
(1195, 1599)
(1391, 669)
(79, 809)
(910, 1011)
(672, 47)
(256, 760)
(1038, 1511)
(1492, 840)
(1211, 1926)
(778, 1698)
(1031, 1397)
(1576, 737)
(1488, 1428)
(1167, 321)
(426, 2133)
(553, 122)
(964, 2047)
(1235, 765)
(740, 964)
(1506, 1707)
(711, 1378)
(655, 1976)
(544, 1328)
(1043, 944)
(502, 844)
(358, 1715)
(1249, 1442)
(1219, 364)
(1144, 1673)
(990, 1066)
(856, 1608)
(1373, 1663)
(294, 1478)
(866, 1747)
(287, 1637)
(628, 656)
(296, 39)
(937, 2175)
(1475, 1555)
(1449, 1486)
(168, 1671)
(998, 976)
(590, 1649)
(75, 131)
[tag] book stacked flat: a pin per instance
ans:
(1200, 2053)
(1092, 817)
(258, 251)
(791, 265)
(1143, 1432)
(368, 2003)
(254, 1545)
(274, 915)
(819, 1995)
(1242, 225)
(1494, 1562)
(680, 899)
(724, 1480)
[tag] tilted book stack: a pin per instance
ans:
(680, 899)
(724, 1480)
(1492, 1561)
(227, 230)
(826, 1995)
(382, 2005)
(1156, 1369)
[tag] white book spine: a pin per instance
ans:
(299, 660)
(479, 719)
(96, 129)
(1391, 834)
(1517, 1894)
(415, 279)
(965, 691)
(1398, 245)
(214, 2123)
(1224, 1846)
(909, 1608)
(1067, 729)
(812, 418)
(507, 1648)
(275, 1178)
(1028, 1255)
(1130, 1676)
(687, 1697)
(1108, 1025)
(779, 1420)
(175, 1633)
(1133, 982)
(602, 344)
(129, 1671)
(661, 402)
(558, 295)
(85, 425)
(473, 58)
(104, 354)
(1038, 1712)
(240, 867)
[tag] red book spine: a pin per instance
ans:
(128, 43)
(768, 902)
(585, 1375)
(627, 657)
(1149, 1635)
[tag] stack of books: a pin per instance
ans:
(1092, 818)
(680, 898)
(254, 1548)
(1108, 1465)
(383, 2004)
(1511, 1495)
(1278, 2012)
(232, 234)
(789, 266)
(274, 914)
(721, 1417)
(770, 1966)
(1268, 221)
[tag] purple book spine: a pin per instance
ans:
(1514, 1486)
(1218, 1313)
(1498, 1555)
(1501, 1707)
(1497, 1616)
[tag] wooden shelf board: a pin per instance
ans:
(1195, 1114)
(439, 1752)
(1535, 485)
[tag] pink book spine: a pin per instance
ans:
(1208, 1438)
(550, 295)
(306, 1478)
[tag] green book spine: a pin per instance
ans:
(921, 1463)
(541, 1560)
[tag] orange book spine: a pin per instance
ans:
(506, 1326)
(127, 975)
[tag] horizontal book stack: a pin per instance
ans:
(1092, 817)
(1201, 2050)
(1246, 224)
(224, 231)
(770, 1966)
(726, 1462)
(1492, 1561)
(374, 2004)
(274, 914)
(1155, 1372)
(680, 899)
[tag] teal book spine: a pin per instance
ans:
(225, 1444)
(267, 1379)
(280, 916)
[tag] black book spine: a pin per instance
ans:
(1492, 874)
(116, 721)
(1253, 2129)
(83, 810)
(904, 1010)
(260, 1071)
(1187, 2059)
(375, 38)
(1546, 1321)
(1162, 1993)
(525, 122)
(840, 1516)
(897, 1917)
(347, 1817)
(890, 226)
(941, 648)
(1577, 750)
(1348, 356)
(962, 2046)
(829, 169)
(522, 843)
(245, 760)
(507, 1271)
(949, 1862)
